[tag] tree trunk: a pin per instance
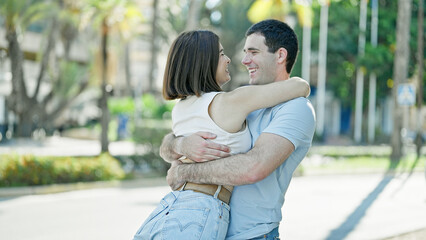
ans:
(18, 102)
(127, 67)
(420, 64)
(153, 63)
(30, 111)
(360, 73)
(104, 99)
(400, 71)
(322, 68)
(193, 15)
(45, 58)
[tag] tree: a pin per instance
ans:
(420, 66)
(110, 16)
(400, 71)
(231, 27)
(34, 110)
(342, 56)
(154, 46)
(194, 14)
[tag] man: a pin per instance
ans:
(281, 137)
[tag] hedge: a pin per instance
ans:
(29, 170)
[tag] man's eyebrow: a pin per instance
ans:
(251, 49)
(221, 50)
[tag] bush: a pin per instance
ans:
(156, 109)
(28, 170)
(151, 134)
(152, 107)
(119, 106)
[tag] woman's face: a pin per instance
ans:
(222, 72)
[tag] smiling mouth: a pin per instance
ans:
(252, 71)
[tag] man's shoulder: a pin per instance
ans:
(296, 111)
(300, 104)
(296, 101)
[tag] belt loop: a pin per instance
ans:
(219, 187)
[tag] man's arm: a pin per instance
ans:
(167, 149)
(292, 126)
(197, 147)
(268, 153)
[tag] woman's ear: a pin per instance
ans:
(282, 55)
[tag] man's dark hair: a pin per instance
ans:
(191, 65)
(277, 35)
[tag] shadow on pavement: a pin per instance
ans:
(413, 166)
(355, 217)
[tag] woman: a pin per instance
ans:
(196, 68)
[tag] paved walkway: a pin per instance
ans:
(355, 207)
(352, 207)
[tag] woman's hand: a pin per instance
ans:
(199, 147)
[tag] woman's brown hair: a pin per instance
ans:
(191, 65)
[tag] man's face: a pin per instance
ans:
(260, 63)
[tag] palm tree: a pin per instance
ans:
(110, 16)
(31, 108)
(154, 46)
(13, 12)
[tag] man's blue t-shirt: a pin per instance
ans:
(256, 208)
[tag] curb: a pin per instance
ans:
(55, 188)
(66, 187)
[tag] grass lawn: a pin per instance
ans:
(341, 160)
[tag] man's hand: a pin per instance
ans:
(199, 148)
(172, 176)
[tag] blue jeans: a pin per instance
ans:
(272, 235)
(186, 215)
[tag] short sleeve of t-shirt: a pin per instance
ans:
(293, 120)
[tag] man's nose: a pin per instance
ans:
(245, 60)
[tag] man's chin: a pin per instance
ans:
(252, 81)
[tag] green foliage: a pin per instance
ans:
(342, 47)
(152, 107)
(24, 170)
(121, 106)
(361, 164)
(151, 134)
(152, 131)
(359, 159)
(175, 14)
(350, 151)
(231, 29)
(71, 74)
(24, 12)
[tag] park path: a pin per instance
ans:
(353, 207)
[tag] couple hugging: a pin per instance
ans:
(232, 154)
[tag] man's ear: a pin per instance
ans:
(282, 55)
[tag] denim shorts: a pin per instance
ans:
(186, 215)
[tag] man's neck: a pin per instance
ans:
(282, 77)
